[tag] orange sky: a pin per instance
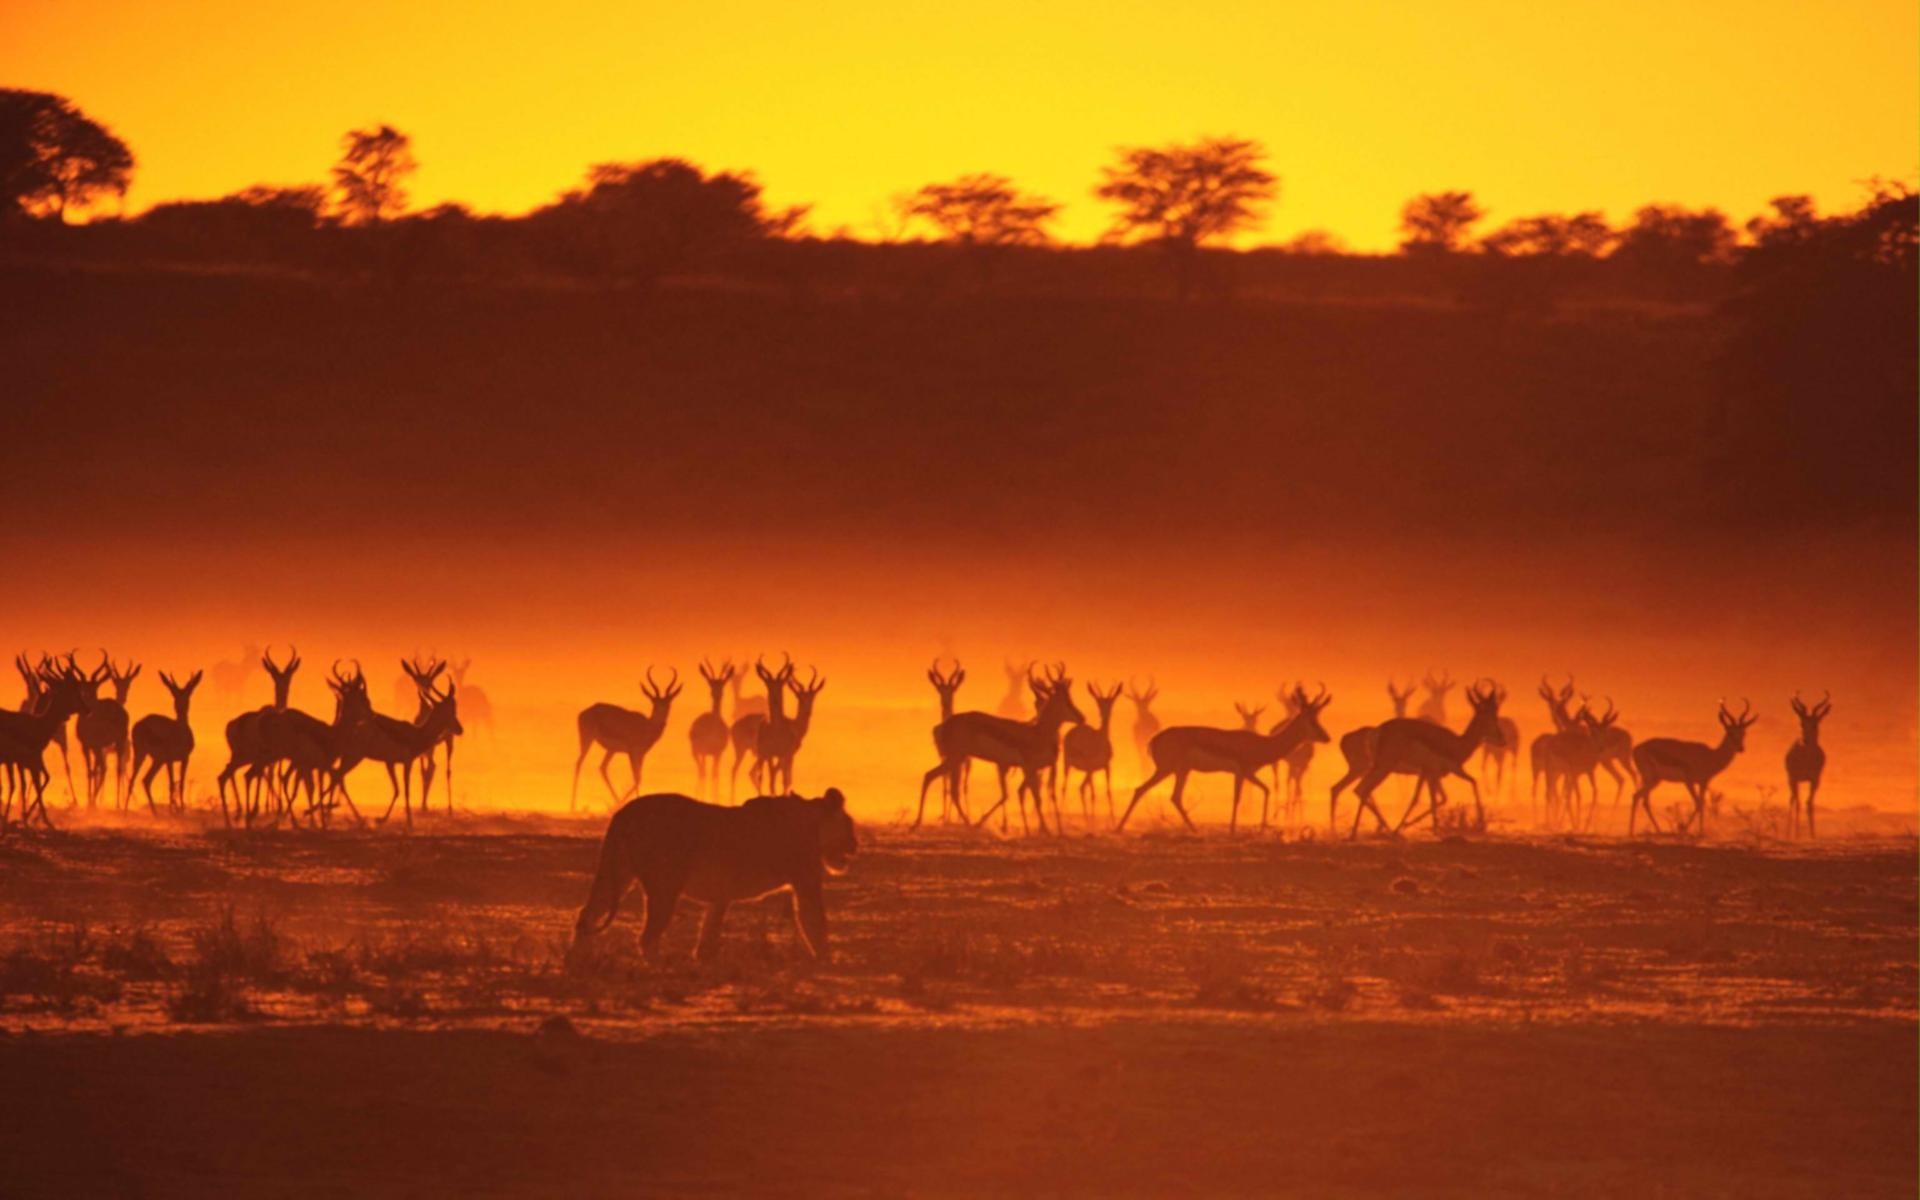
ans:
(1533, 107)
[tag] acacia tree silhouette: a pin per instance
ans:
(1551, 235)
(1184, 195)
(1437, 223)
(53, 157)
(982, 213)
(369, 181)
(1667, 236)
(638, 221)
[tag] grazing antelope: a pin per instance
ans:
(1145, 724)
(708, 734)
(249, 744)
(1356, 746)
(163, 741)
(1089, 750)
(398, 744)
(1183, 749)
(1434, 707)
(623, 731)
(1013, 704)
(1690, 764)
(1805, 761)
(1030, 745)
(1429, 753)
(779, 741)
(946, 686)
(102, 729)
(744, 733)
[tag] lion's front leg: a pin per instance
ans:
(810, 916)
(710, 931)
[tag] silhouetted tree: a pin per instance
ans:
(53, 157)
(369, 181)
(1666, 236)
(1551, 235)
(1437, 223)
(983, 210)
(1181, 196)
(639, 221)
(1793, 221)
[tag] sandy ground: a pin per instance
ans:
(388, 1014)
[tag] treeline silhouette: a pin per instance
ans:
(1679, 367)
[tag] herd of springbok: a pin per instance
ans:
(287, 765)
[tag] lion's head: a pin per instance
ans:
(838, 841)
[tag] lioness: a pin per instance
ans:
(675, 844)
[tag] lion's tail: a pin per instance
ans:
(610, 882)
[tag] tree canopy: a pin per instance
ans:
(982, 210)
(369, 181)
(1187, 194)
(54, 158)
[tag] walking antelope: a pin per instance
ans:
(163, 741)
(249, 743)
(400, 745)
(744, 733)
(1356, 746)
(1429, 753)
(425, 676)
(623, 731)
(1029, 745)
(779, 741)
(1183, 749)
(1806, 760)
(1690, 764)
(708, 734)
(316, 755)
(1145, 724)
(102, 729)
(946, 686)
(1089, 750)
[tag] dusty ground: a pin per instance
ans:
(373, 1013)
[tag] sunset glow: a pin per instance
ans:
(1557, 108)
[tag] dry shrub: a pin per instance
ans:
(227, 958)
(52, 974)
(136, 954)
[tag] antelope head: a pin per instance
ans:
(662, 697)
(1143, 701)
(1249, 717)
(1308, 709)
(1104, 700)
(1736, 726)
(1811, 716)
(1401, 696)
(949, 683)
(123, 678)
(1054, 696)
(182, 692)
(717, 677)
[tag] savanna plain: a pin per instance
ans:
(1167, 1013)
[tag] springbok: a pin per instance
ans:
(1500, 752)
(1544, 755)
(1434, 708)
(744, 733)
(1356, 746)
(56, 694)
(1031, 745)
(623, 731)
(1250, 717)
(163, 741)
(1806, 760)
(1299, 761)
(945, 685)
(1690, 764)
(102, 728)
(310, 749)
(1013, 704)
(396, 743)
(1089, 750)
(780, 739)
(425, 675)
(1429, 753)
(708, 735)
(1145, 724)
(743, 705)
(476, 707)
(1183, 749)
(230, 678)
(248, 742)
